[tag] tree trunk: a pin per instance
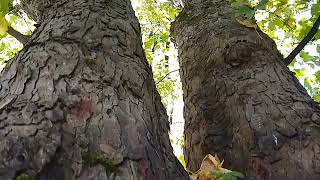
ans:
(241, 101)
(79, 101)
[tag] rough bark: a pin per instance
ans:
(241, 101)
(79, 101)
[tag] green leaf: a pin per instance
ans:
(232, 175)
(304, 28)
(315, 9)
(275, 23)
(262, 5)
(237, 174)
(247, 11)
(317, 74)
(307, 84)
(12, 19)
(317, 98)
(2, 46)
(217, 174)
(305, 56)
(4, 6)
(299, 73)
(3, 25)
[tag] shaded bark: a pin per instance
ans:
(79, 101)
(241, 101)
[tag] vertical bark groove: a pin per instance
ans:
(79, 101)
(241, 101)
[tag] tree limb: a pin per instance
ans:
(20, 37)
(303, 43)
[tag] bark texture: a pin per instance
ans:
(241, 101)
(79, 101)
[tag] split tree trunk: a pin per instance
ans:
(79, 101)
(241, 101)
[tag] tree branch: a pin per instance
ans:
(303, 43)
(167, 75)
(279, 17)
(20, 37)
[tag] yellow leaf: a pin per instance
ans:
(250, 23)
(292, 23)
(3, 25)
(193, 177)
(209, 164)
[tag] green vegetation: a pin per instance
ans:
(232, 175)
(94, 159)
(24, 176)
(155, 18)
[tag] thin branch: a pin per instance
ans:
(167, 75)
(303, 43)
(179, 139)
(283, 21)
(20, 37)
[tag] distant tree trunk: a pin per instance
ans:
(79, 101)
(241, 101)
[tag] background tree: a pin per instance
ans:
(79, 100)
(241, 101)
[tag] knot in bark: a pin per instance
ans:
(238, 53)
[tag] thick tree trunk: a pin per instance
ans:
(241, 101)
(79, 101)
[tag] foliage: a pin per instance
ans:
(287, 22)
(3, 25)
(9, 46)
(245, 11)
(182, 161)
(155, 18)
(94, 159)
(4, 9)
(23, 176)
(232, 175)
(211, 169)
